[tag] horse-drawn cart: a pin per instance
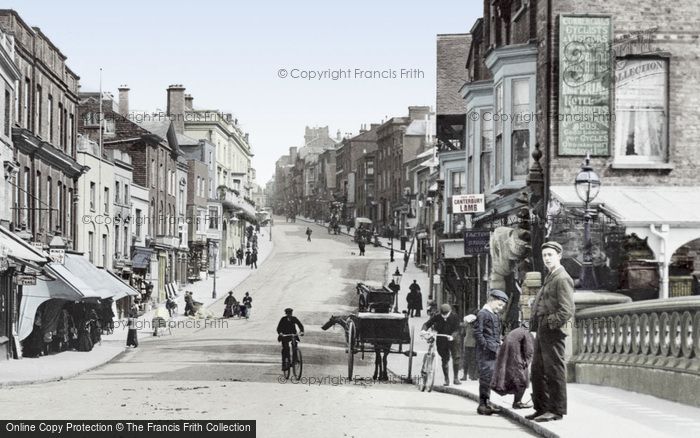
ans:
(379, 331)
(371, 299)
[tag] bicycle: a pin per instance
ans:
(427, 371)
(297, 362)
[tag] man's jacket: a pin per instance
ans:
(442, 326)
(487, 331)
(553, 307)
(287, 326)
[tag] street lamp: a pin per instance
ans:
(214, 253)
(397, 280)
(587, 184)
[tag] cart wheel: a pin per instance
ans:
(351, 345)
(410, 356)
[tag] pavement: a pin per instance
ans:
(594, 411)
(69, 364)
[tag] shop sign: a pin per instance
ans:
(476, 242)
(25, 280)
(585, 75)
(468, 203)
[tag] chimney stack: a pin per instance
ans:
(124, 100)
(418, 112)
(188, 102)
(176, 107)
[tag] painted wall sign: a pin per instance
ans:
(585, 57)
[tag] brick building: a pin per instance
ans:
(44, 134)
(349, 151)
(616, 80)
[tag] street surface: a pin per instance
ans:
(230, 369)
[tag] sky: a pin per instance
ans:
(231, 56)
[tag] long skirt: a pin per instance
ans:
(228, 312)
(132, 338)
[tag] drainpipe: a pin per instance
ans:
(662, 256)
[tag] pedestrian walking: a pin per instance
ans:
(189, 304)
(247, 257)
(254, 260)
(248, 303)
(417, 299)
(552, 311)
(511, 375)
(361, 245)
(469, 363)
(487, 334)
(239, 256)
(447, 323)
(229, 302)
(308, 234)
(132, 337)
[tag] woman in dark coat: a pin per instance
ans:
(511, 374)
(131, 337)
(229, 302)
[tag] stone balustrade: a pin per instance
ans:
(647, 346)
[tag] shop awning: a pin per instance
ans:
(18, 249)
(55, 282)
(81, 268)
(141, 259)
(121, 289)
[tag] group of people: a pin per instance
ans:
(61, 326)
(232, 307)
(503, 362)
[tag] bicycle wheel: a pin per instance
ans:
(297, 364)
(422, 379)
(430, 372)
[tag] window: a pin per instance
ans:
(69, 218)
(641, 110)
(8, 113)
(49, 195)
(25, 104)
(60, 206)
(126, 241)
(69, 132)
(370, 168)
(486, 181)
(37, 200)
(107, 200)
(25, 198)
(127, 199)
(498, 126)
(37, 114)
(457, 182)
(50, 115)
(92, 196)
(213, 218)
(520, 136)
(61, 126)
(91, 247)
(116, 241)
(116, 193)
(138, 224)
(153, 172)
(104, 250)
(182, 201)
(470, 155)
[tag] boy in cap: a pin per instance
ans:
(447, 323)
(551, 311)
(487, 334)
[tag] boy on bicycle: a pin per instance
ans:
(287, 326)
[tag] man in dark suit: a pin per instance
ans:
(288, 326)
(447, 323)
(487, 333)
(552, 312)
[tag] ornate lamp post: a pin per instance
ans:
(587, 184)
(397, 279)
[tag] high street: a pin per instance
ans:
(229, 369)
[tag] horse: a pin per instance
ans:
(381, 349)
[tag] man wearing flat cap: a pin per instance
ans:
(487, 334)
(447, 323)
(552, 311)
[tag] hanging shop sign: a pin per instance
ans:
(468, 203)
(585, 76)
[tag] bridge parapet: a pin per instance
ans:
(651, 347)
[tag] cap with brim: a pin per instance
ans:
(499, 294)
(552, 245)
(288, 310)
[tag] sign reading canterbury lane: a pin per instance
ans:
(468, 203)
(584, 84)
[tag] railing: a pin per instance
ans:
(654, 334)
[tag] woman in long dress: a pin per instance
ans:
(132, 338)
